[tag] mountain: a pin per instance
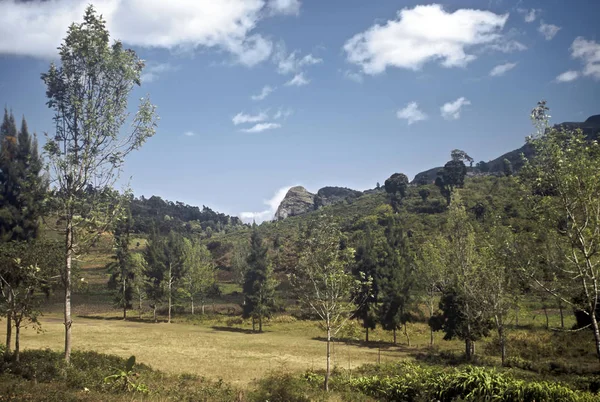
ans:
(299, 201)
(590, 127)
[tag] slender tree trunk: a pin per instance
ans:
(328, 371)
(8, 325)
(260, 323)
(192, 306)
(203, 308)
(140, 309)
(67, 283)
(468, 349)
(406, 333)
(546, 314)
(367, 334)
(170, 286)
(17, 341)
(124, 300)
(562, 317)
(155, 320)
(253, 324)
(595, 328)
(395, 338)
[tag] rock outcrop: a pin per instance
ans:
(297, 201)
(333, 195)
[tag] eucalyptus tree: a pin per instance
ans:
(563, 177)
(88, 92)
(199, 278)
(323, 279)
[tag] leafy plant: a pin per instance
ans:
(124, 378)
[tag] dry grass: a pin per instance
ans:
(210, 349)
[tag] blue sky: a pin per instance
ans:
(256, 96)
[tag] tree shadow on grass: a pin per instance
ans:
(235, 329)
(388, 346)
(120, 318)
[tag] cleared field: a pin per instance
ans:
(210, 349)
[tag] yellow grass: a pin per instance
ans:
(212, 350)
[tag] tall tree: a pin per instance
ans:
(366, 265)
(323, 279)
(122, 270)
(22, 192)
(259, 284)
(564, 179)
(165, 259)
(89, 93)
(396, 280)
(396, 186)
(463, 313)
(453, 174)
(199, 279)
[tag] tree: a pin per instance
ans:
(323, 279)
(139, 283)
(22, 192)
(88, 93)
(366, 266)
(396, 280)
(450, 177)
(29, 267)
(122, 270)
(563, 177)
(482, 166)
(199, 278)
(396, 186)
(259, 285)
(463, 314)
(239, 261)
(507, 167)
(460, 155)
(424, 194)
(166, 263)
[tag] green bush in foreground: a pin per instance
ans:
(418, 383)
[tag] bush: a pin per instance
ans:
(285, 387)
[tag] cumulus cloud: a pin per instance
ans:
(153, 70)
(502, 69)
(269, 213)
(260, 127)
(548, 31)
(411, 113)
(424, 34)
(451, 110)
(299, 80)
(266, 91)
(568, 76)
(189, 134)
(529, 15)
(285, 7)
(588, 51)
(35, 28)
(242, 118)
(292, 63)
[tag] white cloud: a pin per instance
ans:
(285, 7)
(266, 91)
(451, 110)
(411, 113)
(36, 28)
(548, 30)
(268, 214)
(528, 15)
(292, 63)
(283, 114)
(242, 118)
(507, 46)
(260, 127)
(353, 76)
(502, 69)
(298, 81)
(588, 52)
(189, 134)
(153, 70)
(568, 76)
(423, 34)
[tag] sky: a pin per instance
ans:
(256, 96)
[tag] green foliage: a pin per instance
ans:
(199, 278)
(396, 186)
(124, 378)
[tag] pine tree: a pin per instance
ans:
(22, 190)
(395, 279)
(367, 295)
(259, 285)
(165, 260)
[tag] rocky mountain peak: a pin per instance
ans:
(297, 201)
